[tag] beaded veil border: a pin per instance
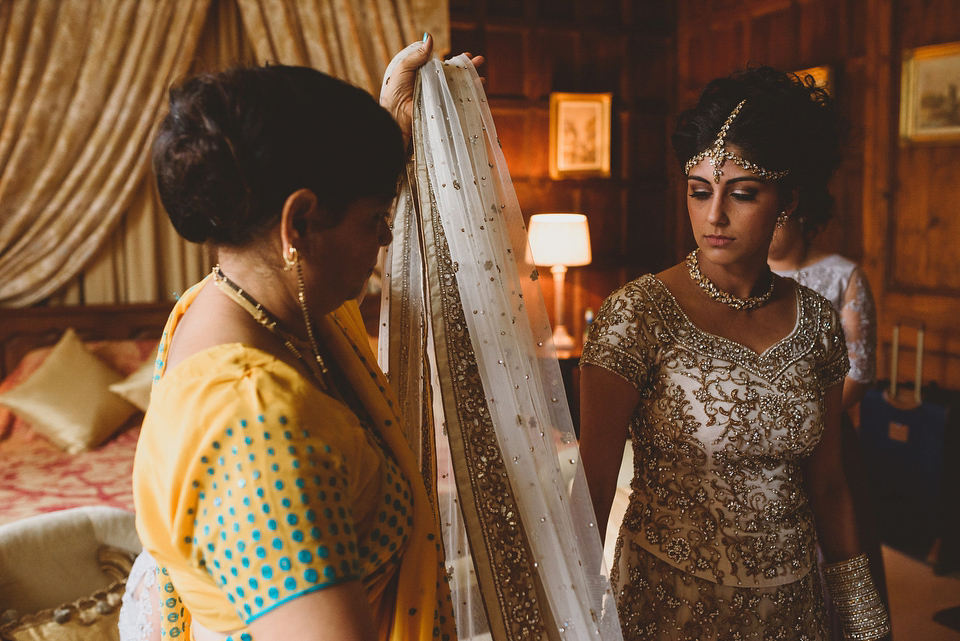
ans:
(465, 341)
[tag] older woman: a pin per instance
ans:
(273, 485)
(728, 379)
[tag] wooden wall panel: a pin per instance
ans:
(925, 215)
(626, 47)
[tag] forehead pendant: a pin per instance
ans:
(718, 155)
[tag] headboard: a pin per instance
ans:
(22, 330)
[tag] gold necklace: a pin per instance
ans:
(249, 304)
(752, 302)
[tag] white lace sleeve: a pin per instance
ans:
(859, 320)
(140, 611)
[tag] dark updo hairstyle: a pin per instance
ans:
(236, 144)
(786, 123)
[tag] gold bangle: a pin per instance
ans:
(862, 614)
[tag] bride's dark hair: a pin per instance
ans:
(786, 123)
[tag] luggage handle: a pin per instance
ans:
(894, 358)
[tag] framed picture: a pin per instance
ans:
(580, 135)
(822, 76)
(930, 94)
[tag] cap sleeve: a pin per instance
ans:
(622, 338)
(834, 363)
(272, 500)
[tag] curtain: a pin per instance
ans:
(83, 83)
(465, 342)
(144, 259)
(82, 88)
(350, 39)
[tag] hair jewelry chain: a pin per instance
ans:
(718, 155)
(248, 303)
(752, 302)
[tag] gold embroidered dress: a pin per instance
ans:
(718, 541)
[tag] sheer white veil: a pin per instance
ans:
(465, 342)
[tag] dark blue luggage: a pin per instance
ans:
(904, 438)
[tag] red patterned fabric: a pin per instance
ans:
(37, 477)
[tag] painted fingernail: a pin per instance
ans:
(425, 34)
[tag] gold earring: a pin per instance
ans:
(306, 316)
(782, 219)
(291, 259)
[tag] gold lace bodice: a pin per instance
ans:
(720, 434)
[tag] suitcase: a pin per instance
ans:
(904, 439)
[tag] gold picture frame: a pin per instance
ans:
(822, 76)
(930, 94)
(580, 135)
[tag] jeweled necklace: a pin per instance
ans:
(249, 304)
(751, 302)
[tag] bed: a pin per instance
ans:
(38, 476)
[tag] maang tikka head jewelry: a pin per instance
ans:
(718, 155)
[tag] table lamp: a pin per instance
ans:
(561, 241)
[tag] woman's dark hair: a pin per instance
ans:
(786, 123)
(236, 144)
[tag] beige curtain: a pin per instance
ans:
(144, 260)
(350, 39)
(82, 83)
(82, 87)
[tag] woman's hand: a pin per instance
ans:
(396, 93)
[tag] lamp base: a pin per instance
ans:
(562, 340)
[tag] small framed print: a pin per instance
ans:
(930, 94)
(822, 77)
(580, 135)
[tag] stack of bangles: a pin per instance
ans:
(862, 614)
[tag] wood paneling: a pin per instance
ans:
(896, 204)
(626, 47)
(925, 210)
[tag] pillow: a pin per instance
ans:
(136, 387)
(92, 618)
(67, 398)
(125, 356)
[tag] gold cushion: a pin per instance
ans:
(67, 398)
(136, 387)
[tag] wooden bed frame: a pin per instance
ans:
(22, 330)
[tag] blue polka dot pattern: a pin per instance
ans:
(261, 448)
(249, 533)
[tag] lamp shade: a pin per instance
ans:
(559, 239)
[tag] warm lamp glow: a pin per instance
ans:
(559, 240)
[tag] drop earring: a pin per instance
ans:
(782, 219)
(295, 262)
(290, 259)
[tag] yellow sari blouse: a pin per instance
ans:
(253, 487)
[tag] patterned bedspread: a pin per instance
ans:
(37, 477)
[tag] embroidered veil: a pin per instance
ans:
(465, 342)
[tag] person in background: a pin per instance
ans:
(275, 491)
(843, 283)
(728, 379)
